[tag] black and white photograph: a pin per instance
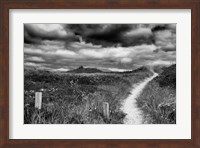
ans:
(99, 73)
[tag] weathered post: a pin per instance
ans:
(38, 100)
(106, 110)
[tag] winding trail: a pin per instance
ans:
(129, 106)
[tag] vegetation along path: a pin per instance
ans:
(129, 106)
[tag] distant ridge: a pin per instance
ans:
(81, 69)
(167, 77)
(140, 69)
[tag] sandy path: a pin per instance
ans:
(129, 106)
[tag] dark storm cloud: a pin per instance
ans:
(35, 35)
(109, 35)
(84, 29)
(122, 46)
(159, 28)
(105, 35)
(162, 27)
(113, 35)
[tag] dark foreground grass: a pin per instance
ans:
(158, 99)
(77, 98)
(158, 104)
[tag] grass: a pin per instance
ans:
(77, 98)
(158, 99)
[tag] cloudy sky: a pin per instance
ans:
(105, 46)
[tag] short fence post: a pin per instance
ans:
(106, 110)
(38, 100)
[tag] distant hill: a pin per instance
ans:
(140, 69)
(159, 68)
(81, 69)
(167, 77)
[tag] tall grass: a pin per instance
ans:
(77, 99)
(158, 104)
(75, 109)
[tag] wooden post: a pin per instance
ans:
(38, 100)
(106, 110)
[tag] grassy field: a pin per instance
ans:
(77, 98)
(158, 99)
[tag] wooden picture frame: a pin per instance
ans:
(6, 5)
